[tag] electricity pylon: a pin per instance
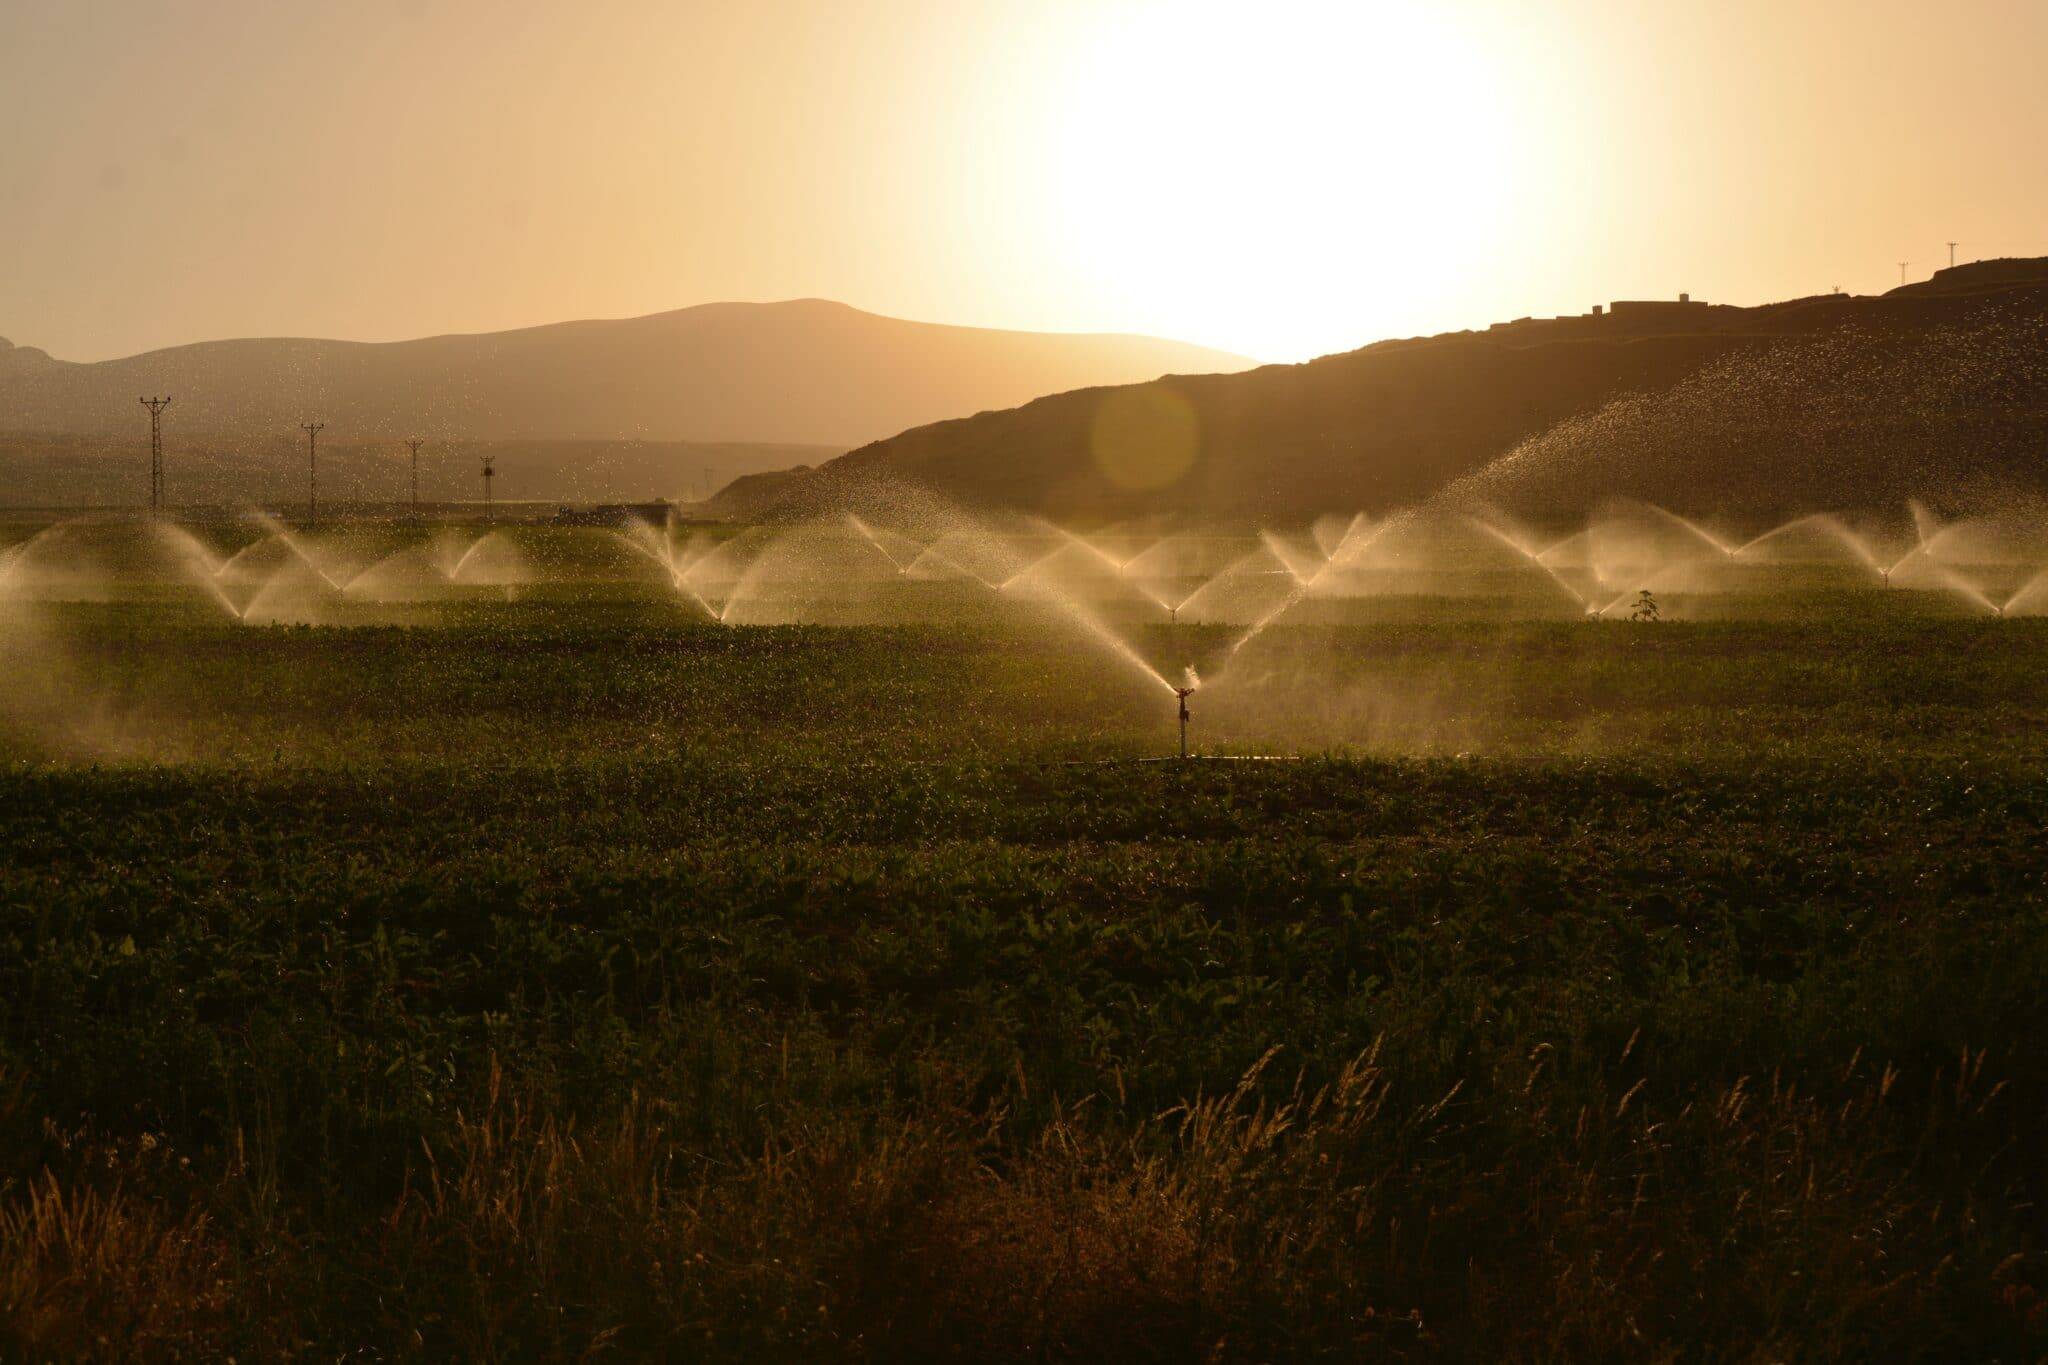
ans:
(156, 407)
(312, 430)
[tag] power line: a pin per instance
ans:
(415, 442)
(312, 430)
(156, 407)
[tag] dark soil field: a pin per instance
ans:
(561, 983)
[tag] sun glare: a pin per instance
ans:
(1270, 162)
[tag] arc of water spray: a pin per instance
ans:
(1077, 612)
(14, 556)
(1926, 530)
(753, 573)
(1030, 568)
(1530, 555)
(282, 534)
(203, 566)
(1344, 550)
(664, 559)
(1823, 521)
(462, 560)
(1351, 528)
(1289, 556)
(880, 548)
(1964, 588)
(2037, 584)
(1238, 570)
(1945, 577)
(1926, 526)
(935, 553)
(1116, 566)
(741, 577)
(1687, 525)
(1600, 613)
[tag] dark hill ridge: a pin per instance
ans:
(806, 372)
(1396, 422)
(1977, 276)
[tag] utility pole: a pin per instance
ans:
(312, 430)
(489, 473)
(1951, 255)
(1902, 273)
(156, 407)
(415, 443)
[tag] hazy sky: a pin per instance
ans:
(1281, 178)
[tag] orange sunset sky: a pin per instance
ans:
(1280, 179)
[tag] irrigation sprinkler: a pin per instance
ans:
(1182, 694)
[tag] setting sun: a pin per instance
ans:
(1221, 176)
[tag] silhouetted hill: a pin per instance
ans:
(1976, 277)
(1834, 398)
(806, 372)
(751, 495)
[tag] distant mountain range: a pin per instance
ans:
(1937, 390)
(807, 372)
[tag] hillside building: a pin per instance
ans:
(1658, 310)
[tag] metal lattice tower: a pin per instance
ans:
(156, 408)
(312, 430)
(415, 443)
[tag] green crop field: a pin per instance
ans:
(570, 977)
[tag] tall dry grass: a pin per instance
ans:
(1759, 1219)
